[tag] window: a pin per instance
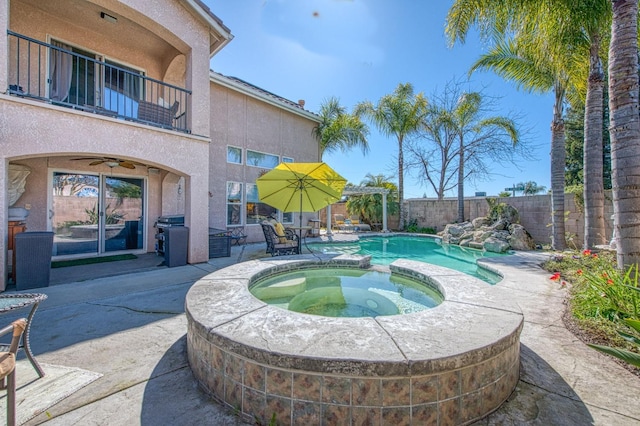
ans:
(287, 159)
(72, 78)
(259, 159)
(287, 217)
(234, 155)
(82, 80)
(234, 203)
(122, 89)
(257, 211)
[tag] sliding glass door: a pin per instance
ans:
(123, 213)
(92, 214)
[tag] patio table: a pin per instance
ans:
(12, 302)
(302, 235)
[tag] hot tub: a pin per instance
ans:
(452, 364)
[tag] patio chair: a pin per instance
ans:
(338, 221)
(8, 366)
(279, 245)
(238, 237)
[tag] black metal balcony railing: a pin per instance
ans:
(65, 76)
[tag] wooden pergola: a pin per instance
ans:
(363, 190)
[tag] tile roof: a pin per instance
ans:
(265, 93)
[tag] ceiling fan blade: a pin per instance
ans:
(95, 163)
(127, 165)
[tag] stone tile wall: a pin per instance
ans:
(258, 391)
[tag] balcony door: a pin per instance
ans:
(93, 214)
(87, 80)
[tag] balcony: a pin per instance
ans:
(66, 76)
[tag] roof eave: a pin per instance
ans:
(220, 34)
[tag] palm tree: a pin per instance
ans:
(593, 167)
(339, 130)
(473, 132)
(513, 62)
(531, 188)
(398, 114)
(369, 206)
(554, 28)
(625, 130)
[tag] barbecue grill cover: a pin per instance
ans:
(175, 246)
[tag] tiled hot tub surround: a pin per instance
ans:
(451, 364)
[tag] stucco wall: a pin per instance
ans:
(245, 122)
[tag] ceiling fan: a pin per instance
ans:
(111, 162)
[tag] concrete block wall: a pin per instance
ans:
(535, 214)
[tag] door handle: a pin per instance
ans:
(51, 213)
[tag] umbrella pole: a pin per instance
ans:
(300, 225)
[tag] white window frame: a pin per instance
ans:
(276, 157)
(229, 147)
(240, 204)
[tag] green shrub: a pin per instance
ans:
(602, 298)
(412, 226)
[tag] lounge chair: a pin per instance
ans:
(279, 245)
(338, 221)
(357, 225)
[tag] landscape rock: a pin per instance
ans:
(520, 239)
(497, 235)
(495, 245)
(479, 222)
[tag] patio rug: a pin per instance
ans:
(35, 395)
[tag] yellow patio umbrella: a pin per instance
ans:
(300, 187)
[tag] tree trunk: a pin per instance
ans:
(594, 231)
(401, 223)
(461, 183)
(558, 155)
(625, 130)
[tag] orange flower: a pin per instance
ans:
(586, 252)
(595, 255)
(579, 272)
(610, 281)
(604, 275)
(555, 277)
(563, 283)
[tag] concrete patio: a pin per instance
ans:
(126, 321)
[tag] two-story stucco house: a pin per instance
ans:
(110, 118)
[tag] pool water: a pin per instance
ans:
(385, 250)
(345, 292)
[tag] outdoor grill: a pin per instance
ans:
(163, 223)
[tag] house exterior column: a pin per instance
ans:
(384, 212)
(4, 212)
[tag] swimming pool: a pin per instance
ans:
(386, 249)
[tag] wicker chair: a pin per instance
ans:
(280, 245)
(8, 367)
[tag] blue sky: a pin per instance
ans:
(360, 50)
